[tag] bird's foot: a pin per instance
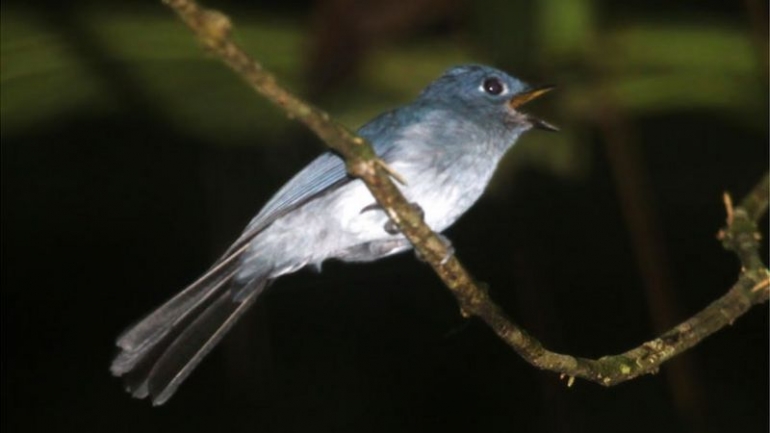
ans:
(450, 250)
(390, 227)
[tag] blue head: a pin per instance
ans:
(486, 95)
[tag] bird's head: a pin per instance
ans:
(486, 93)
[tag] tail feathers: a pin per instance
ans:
(139, 341)
(192, 345)
(158, 353)
(145, 334)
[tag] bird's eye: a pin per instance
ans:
(493, 86)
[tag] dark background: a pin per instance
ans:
(130, 159)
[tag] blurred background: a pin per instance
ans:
(131, 159)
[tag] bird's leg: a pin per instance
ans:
(392, 229)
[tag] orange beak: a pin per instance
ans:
(522, 98)
(528, 95)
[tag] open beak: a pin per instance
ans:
(526, 96)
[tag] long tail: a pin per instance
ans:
(158, 353)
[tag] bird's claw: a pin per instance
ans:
(373, 206)
(391, 227)
(450, 250)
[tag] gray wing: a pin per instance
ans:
(323, 175)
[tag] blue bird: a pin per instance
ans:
(446, 145)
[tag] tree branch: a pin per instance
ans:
(740, 235)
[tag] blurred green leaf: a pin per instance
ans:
(43, 77)
(665, 92)
(650, 68)
(653, 47)
(39, 75)
(566, 28)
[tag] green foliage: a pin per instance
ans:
(646, 67)
(45, 75)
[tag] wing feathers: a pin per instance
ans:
(159, 353)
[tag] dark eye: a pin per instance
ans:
(493, 86)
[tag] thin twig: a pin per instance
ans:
(740, 236)
(729, 208)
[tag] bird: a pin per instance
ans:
(446, 144)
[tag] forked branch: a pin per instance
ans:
(740, 235)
